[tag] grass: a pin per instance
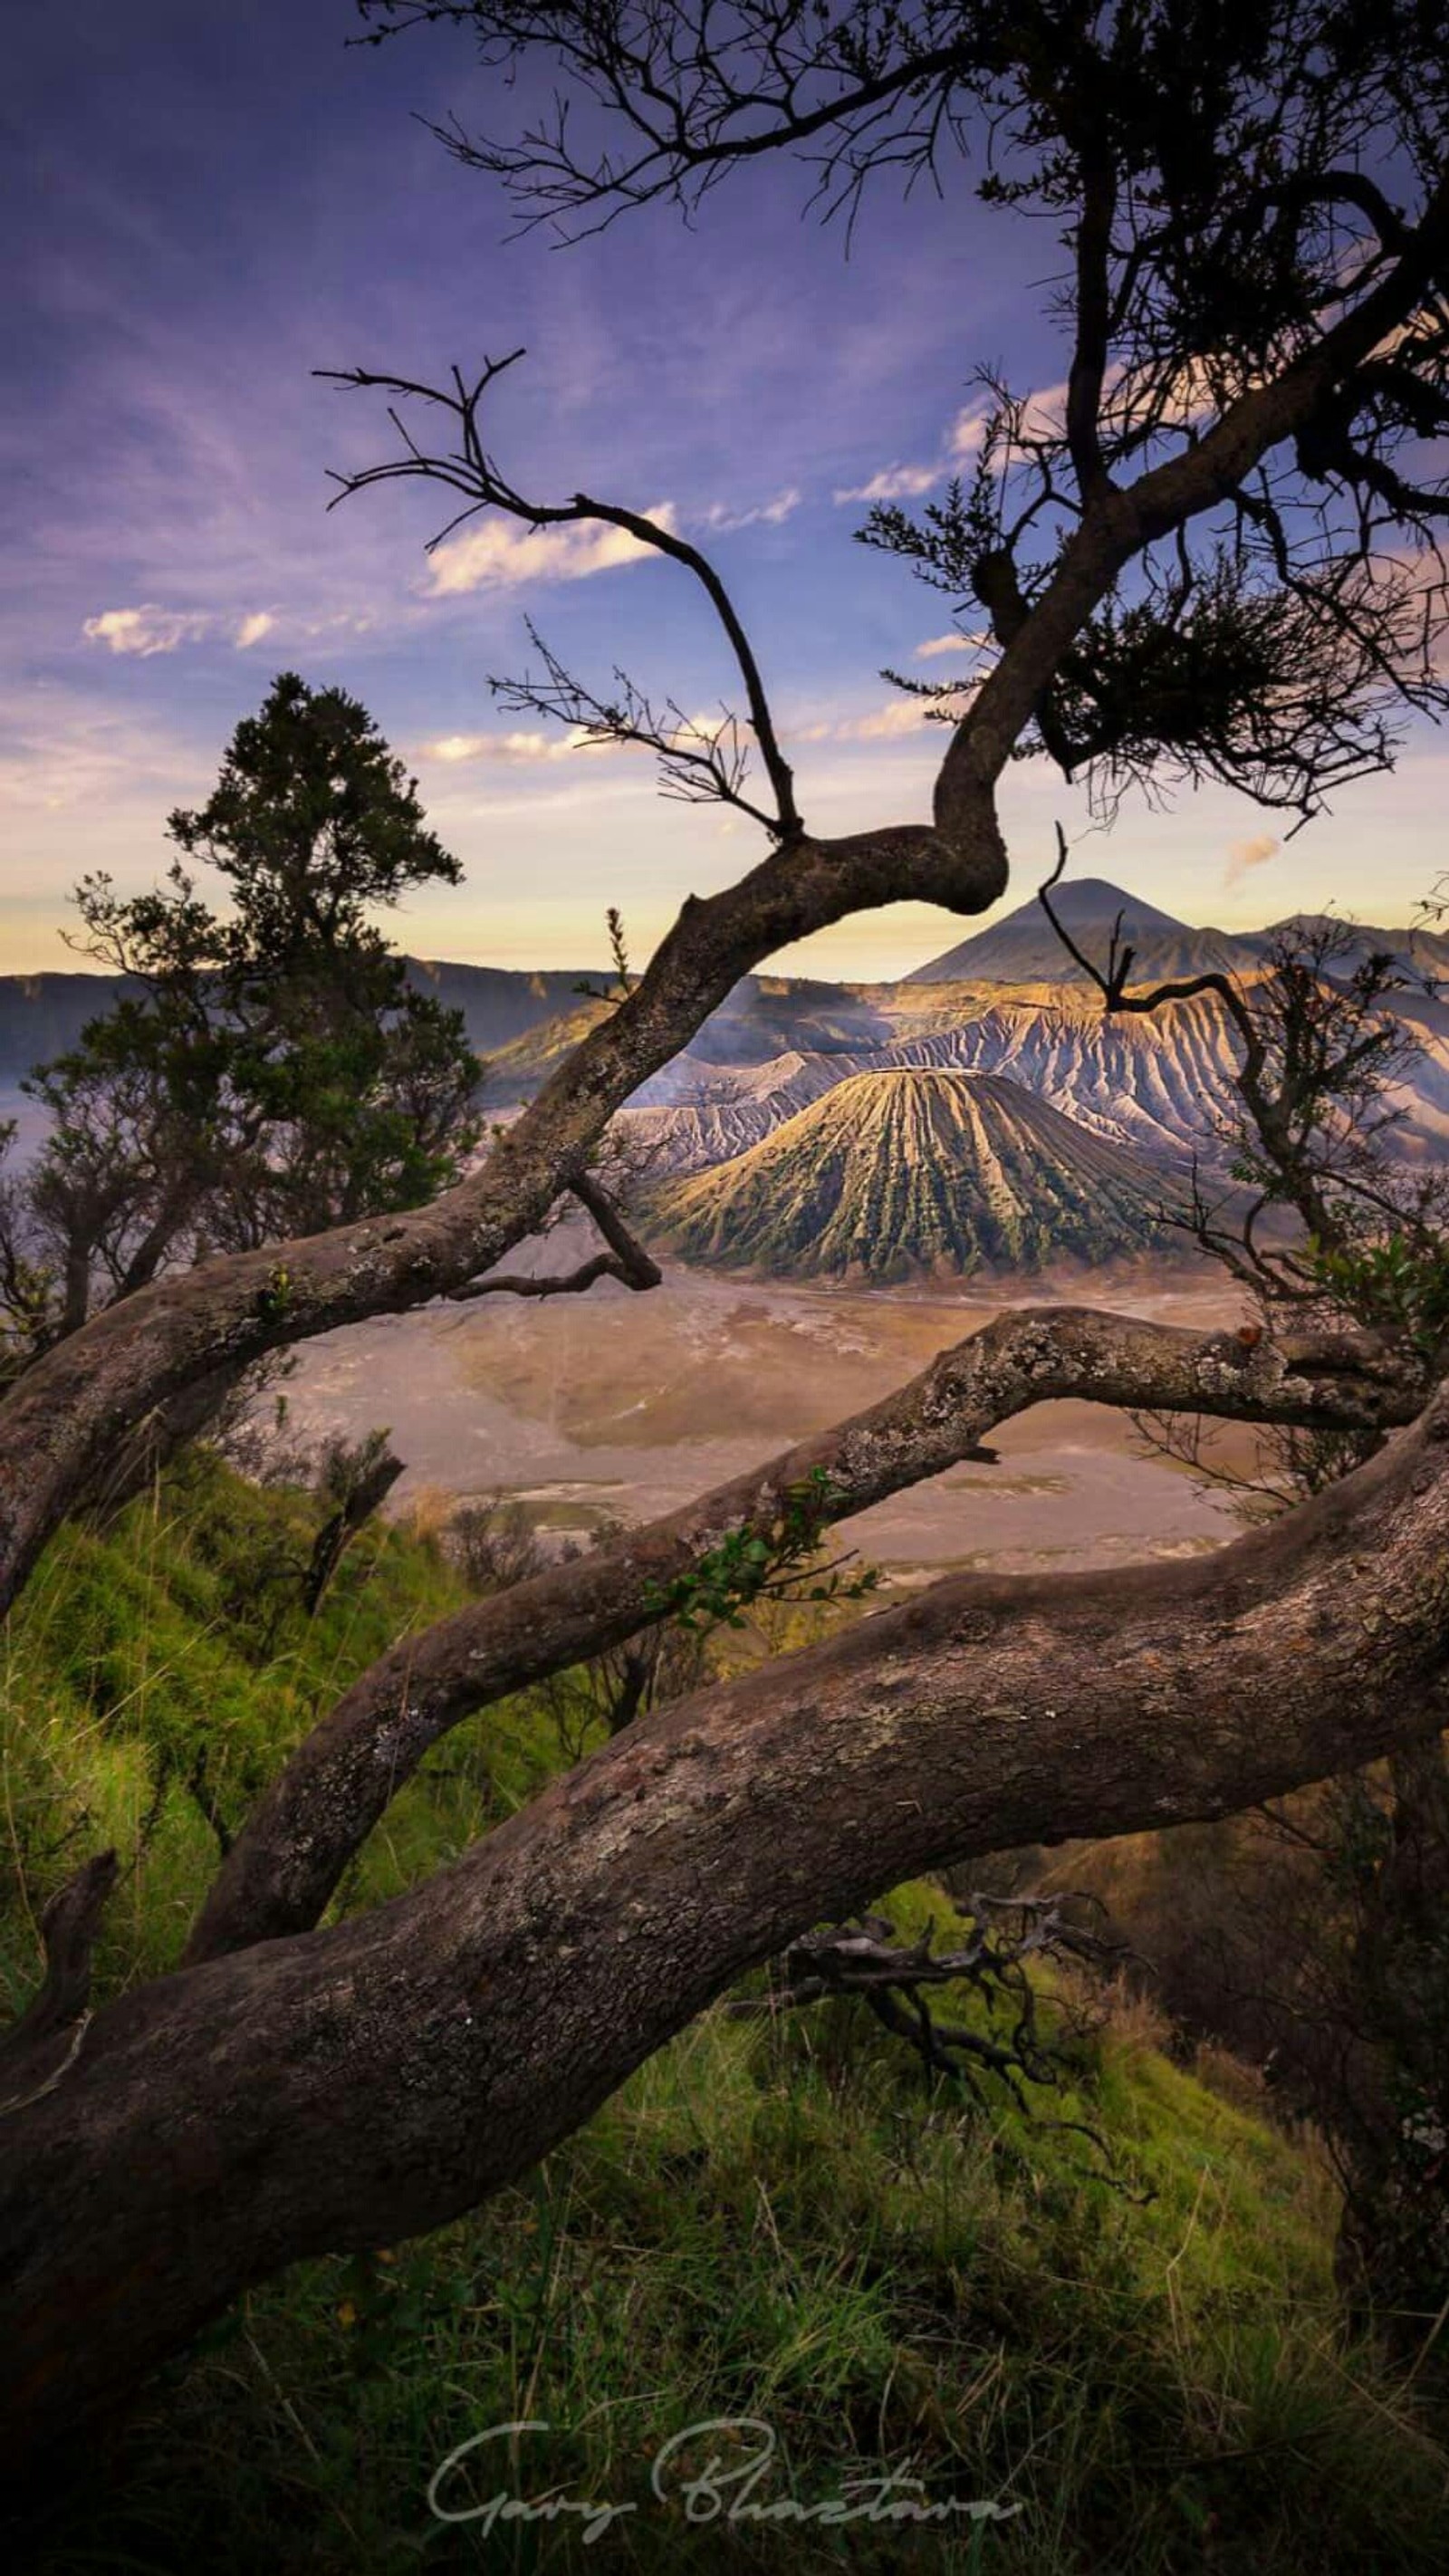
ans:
(1136, 2355)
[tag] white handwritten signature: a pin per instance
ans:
(724, 2489)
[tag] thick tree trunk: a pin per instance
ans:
(342, 2088)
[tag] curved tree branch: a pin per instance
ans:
(288, 1858)
(469, 469)
(68, 1929)
(690, 118)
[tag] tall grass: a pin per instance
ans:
(1131, 2347)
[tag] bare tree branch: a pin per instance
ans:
(69, 1928)
(626, 1260)
(693, 112)
(863, 1959)
(468, 469)
(698, 761)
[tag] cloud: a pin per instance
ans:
(690, 730)
(1042, 417)
(1244, 855)
(501, 554)
(1046, 413)
(770, 512)
(894, 483)
(900, 715)
(145, 630)
(952, 643)
(967, 431)
(151, 629)
(458, 747)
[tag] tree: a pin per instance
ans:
(266, 1072)
(1222, 556)
(1329, 1952)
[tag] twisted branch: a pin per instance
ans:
(626, 1260)
(468, 469)
(292, 1851)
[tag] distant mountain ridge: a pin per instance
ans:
(1023, 948)
(42, 1015)
(964, 1116)
(1152, 1085)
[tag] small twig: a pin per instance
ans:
(469, 471)
(626, 1259)
(863, 1959)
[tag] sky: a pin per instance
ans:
(203, 205)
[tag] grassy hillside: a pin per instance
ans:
(152, 1678)
(1132, 2338)
(916, 1171)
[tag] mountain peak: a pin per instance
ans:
(1023, 948)
(916, 1171)
(1096, 899)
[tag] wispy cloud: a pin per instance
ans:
(894, 483)
(955, 642)
(1045, 414)
(82, 784)
(145, 630)
(769, 513)
(455, 748)
(967, 431)
(501, 555)
(879, 724)
(962, 441)
(152, 629)
(1244, 855)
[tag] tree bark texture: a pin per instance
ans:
(342, 2088)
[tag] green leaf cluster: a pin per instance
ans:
(775, 1558)
(1393, 1283)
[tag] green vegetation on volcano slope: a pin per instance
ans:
(917, 1172)
(776, 2221)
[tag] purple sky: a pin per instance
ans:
(203, 204)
